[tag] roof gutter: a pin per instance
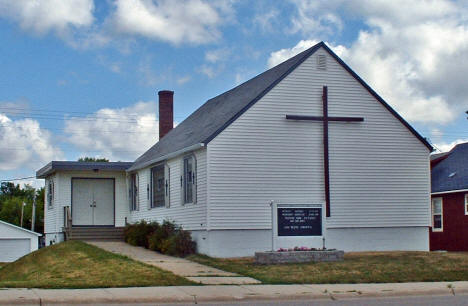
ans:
(167, 156)
(449, 191)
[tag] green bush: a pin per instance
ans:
(167, 238)
(183, 243)
(163, 232)
(138, 233)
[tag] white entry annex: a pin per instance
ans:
(303, 145)
(15, 242)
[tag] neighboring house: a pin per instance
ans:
(310, 138)
(450, 200)
(15, 242)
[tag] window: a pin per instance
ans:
(160, 186)
(133, 192)
(437, 215)
(466, 204)
(188, 180)
(50, 193)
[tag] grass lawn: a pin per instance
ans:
(75, 264)
(369, 267)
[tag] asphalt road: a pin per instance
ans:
(446, 300)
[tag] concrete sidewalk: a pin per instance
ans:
(193, 294)
(191, 270)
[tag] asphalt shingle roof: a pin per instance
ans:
(219, 112)
(213, 116)
(452, 172)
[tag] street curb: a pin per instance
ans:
(194, 294)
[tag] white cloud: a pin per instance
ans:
(24, 144)
(117, 134)
(217, 55)
(308, 21)
(413, 53)
(265, 20)
(189, 21)
(43, 16)
(280, 56)
(209, 71)
(445, 147)
(183, 80)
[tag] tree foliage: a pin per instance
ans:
(12, 198)
(92, 159)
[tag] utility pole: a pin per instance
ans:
(22, 212)
(33, 214)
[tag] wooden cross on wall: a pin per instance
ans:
(325, 119)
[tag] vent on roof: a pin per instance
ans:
(321, 62)
(452, 174)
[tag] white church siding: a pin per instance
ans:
(52, 231)
(378, 239)
(189, 216)
(379, 171)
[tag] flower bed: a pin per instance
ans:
(298, 255)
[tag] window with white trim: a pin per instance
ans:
(437, 215)
(133, 192)
(466, 204)
(160, 186)
(50, 193)
(188, 179)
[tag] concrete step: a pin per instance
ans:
(97, 233)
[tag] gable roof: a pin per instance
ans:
(19, 228)
(216, 114)
(53, 166)
(452, 172)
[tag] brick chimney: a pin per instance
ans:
(166, 112)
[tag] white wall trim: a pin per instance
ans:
(20, 228)
(449, 191)
(441, 229)
(466, 204)
(208, 184)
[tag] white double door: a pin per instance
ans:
(92, 201)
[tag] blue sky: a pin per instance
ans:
(80, 77)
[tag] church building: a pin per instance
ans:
(304, 154)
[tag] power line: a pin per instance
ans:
(27, 112)
(86, 132)
(18, 179)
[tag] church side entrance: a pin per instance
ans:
(93, 202)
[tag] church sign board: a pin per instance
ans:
(299, 221)
(297, 225)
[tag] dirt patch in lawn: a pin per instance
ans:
(75, 264)
(369, 267)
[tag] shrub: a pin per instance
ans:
(163, 232)
(180, 243)
(183, 243)
(168, 246)
(167, 238)
(138, 233)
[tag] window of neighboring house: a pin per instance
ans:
(189, 179)
(133, 192)
(158, 186)
(466, 204)
(50, 193)
(437, 215)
